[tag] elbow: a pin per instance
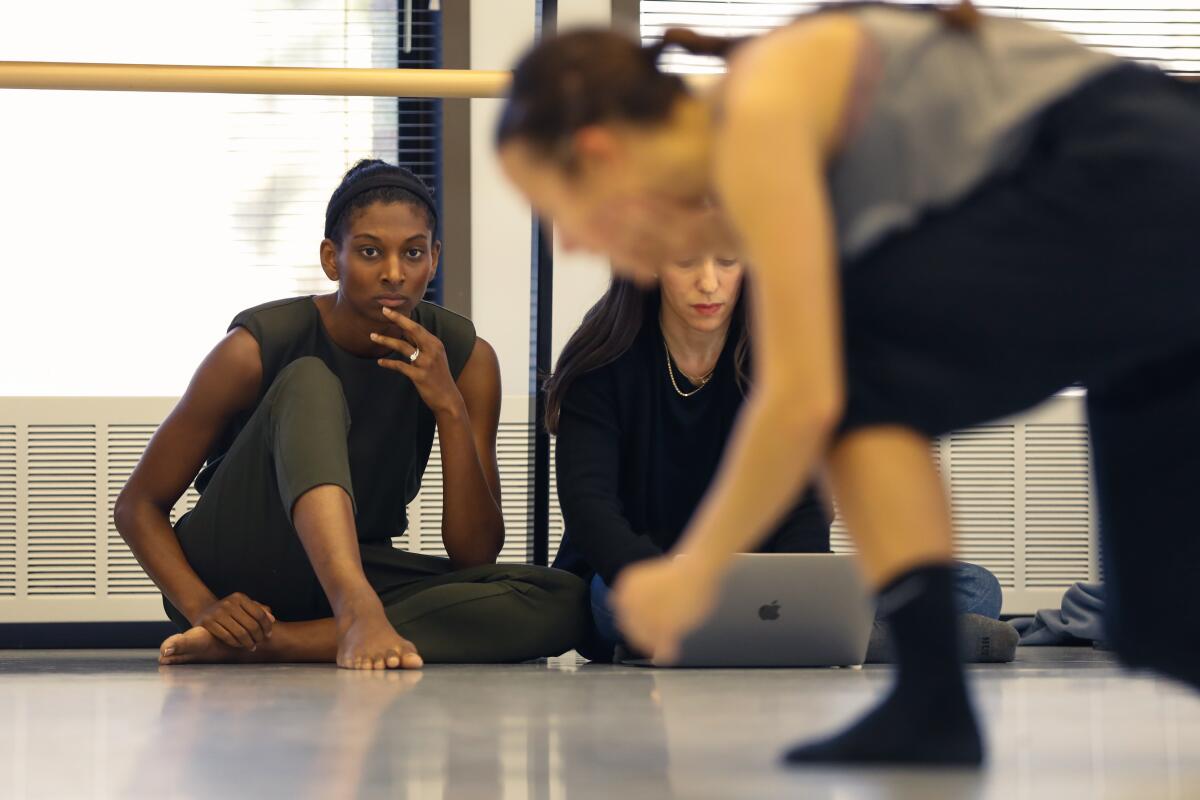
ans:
(807, 415)
(496, 535)
(129, 508)
(482, 558)
(123, 513)
(497, 543)
(485, 552)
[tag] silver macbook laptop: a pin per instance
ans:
(784, 610)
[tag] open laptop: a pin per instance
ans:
(783, 610)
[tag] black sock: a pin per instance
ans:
(927, 718)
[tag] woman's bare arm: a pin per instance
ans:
(467, 412)
(472, 522)
(771, 162)
(226, 383)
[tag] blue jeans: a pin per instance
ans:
(976, 590)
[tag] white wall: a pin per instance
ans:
(501, 225)
(500, 219)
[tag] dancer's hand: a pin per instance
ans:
(237, 621)
(430, 373)
(660, 601)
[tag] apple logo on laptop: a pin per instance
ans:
(769, 612)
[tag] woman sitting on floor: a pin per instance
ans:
(643, 401)
(316, 416)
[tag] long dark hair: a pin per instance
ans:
(590, 76)
(609, 329)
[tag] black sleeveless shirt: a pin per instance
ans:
(391, 428)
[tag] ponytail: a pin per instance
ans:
(697, 44)
(963, 16)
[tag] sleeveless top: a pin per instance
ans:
(946, 109)
(391, 429)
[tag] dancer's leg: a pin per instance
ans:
(889, 491)
(276, 522)
(492, 613)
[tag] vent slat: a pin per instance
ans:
(1058, 525)
(61, 509)
(983, 497)
(8, 506)
(124, 447)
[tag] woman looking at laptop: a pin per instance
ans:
(643, 400)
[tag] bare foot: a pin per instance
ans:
(198, 646)
(368, 641)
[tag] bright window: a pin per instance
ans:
(135, 225)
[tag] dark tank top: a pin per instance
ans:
(391, 428)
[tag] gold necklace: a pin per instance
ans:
(671, 372)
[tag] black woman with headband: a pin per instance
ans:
(313, 420)
(949, 217)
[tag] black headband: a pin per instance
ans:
(399, 178)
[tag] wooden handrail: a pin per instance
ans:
(253, 80)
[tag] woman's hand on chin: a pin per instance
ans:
(658, 602)
(424, 363)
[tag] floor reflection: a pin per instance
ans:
(79, 726)
(270, 733)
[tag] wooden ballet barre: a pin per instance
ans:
(359, 82)
(254, 80)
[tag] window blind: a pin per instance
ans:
(1164, 33)
(137, 224)
(419, 120)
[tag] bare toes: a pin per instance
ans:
(170, 645)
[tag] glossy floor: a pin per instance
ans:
(1061, 723)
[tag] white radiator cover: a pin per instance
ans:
(1020, 490)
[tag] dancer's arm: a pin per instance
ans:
(804, 529)
(226, 383)
(472, 520)
(772, 151)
